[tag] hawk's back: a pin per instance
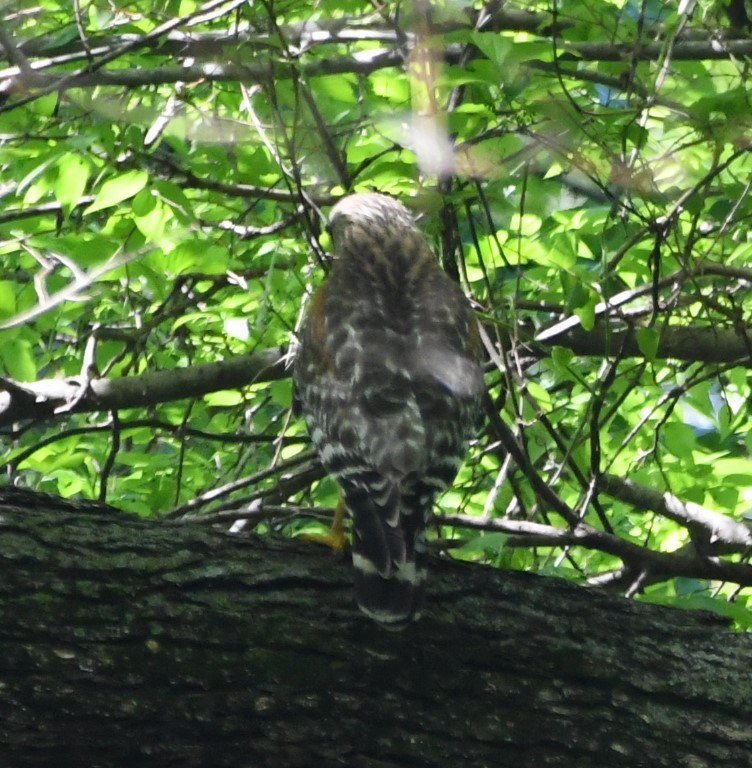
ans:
(389, 380)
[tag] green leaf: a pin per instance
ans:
(151, 216)
(237, 328)
(143, 203)
(7, 298)
(562, 356)
(17, 359)
(69, 483)
(485, 544)
(493, 46)
(342, 87)
(540, 393)
(734, 470)
(586, 313)
(724, 419)
(648, 340)
(223, 398)
(281, 393)
(679, 439)
(726, 497)
(174, 196)
(390, 87)
(32, 178)
(114, 191)
(72, 175)
(576, 292)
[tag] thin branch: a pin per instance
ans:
(639, 559)
(81, 281)
(712, 526)
(694, 343)
(45, 398)
(510, 444)
(156, 425)
(69, 79)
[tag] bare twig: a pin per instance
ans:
(41, 399)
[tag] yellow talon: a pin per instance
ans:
(335, 537)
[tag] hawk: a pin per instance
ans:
(388, 377)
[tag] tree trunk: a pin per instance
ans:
(128, 642)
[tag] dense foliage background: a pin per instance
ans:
(582, 168)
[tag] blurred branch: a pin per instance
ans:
(305, 35)
(42, 209)
(81, 281)
(169, 43)
(8, 78)
(264, 72)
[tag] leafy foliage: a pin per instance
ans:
(582, 168)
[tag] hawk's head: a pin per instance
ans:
(370, 212)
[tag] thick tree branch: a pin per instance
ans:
(363, 63)
(129, 642)
(49, 398)
(702, 344)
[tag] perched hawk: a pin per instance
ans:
(388, 377)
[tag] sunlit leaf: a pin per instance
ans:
(73, 174)
(648, 340)
(17, 359)
(679, 439)
(118, 189)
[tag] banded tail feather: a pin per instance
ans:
(388, 550)
(394, 600)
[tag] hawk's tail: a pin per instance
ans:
(389, 547)
(394, 599)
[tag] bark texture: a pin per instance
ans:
(127, 642)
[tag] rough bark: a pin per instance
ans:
(139, 642)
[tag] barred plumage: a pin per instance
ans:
(388, 377)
